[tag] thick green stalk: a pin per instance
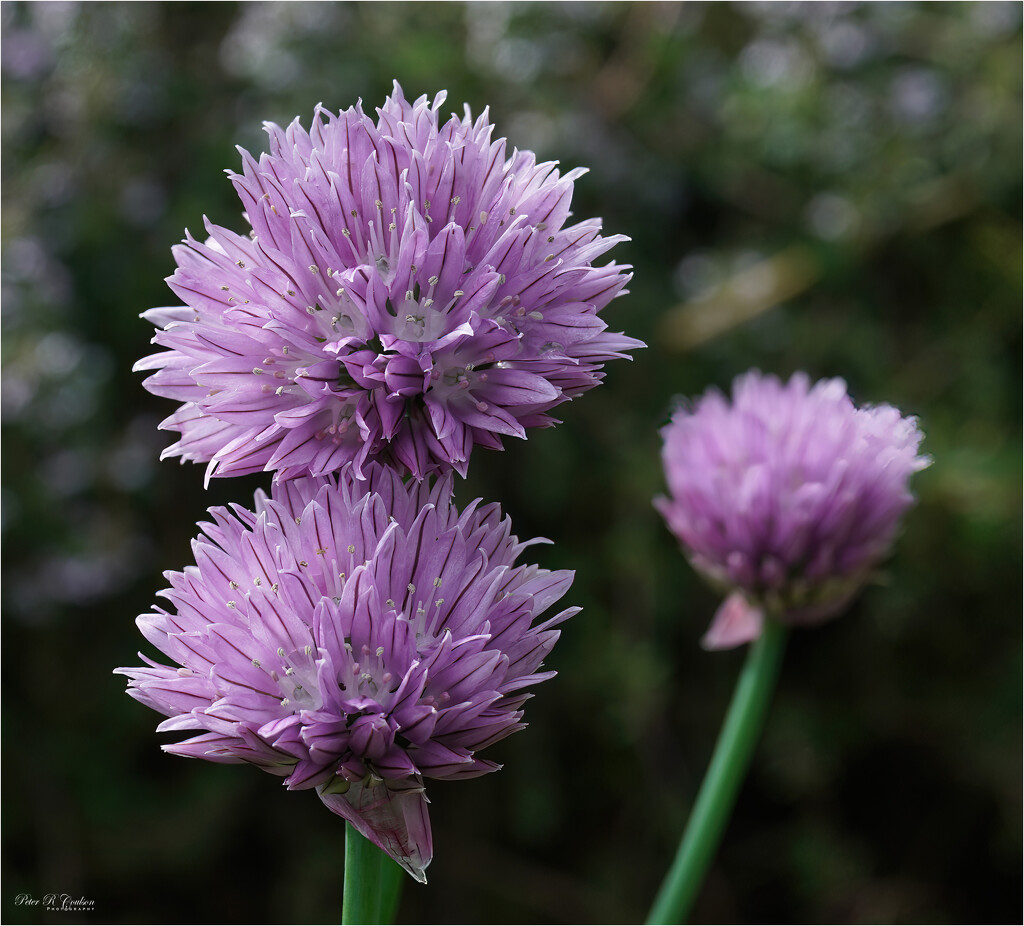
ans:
(373, 882)
(392, 878)
(722, 782)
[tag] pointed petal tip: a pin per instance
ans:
(418, 873)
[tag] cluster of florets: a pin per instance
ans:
(787, 496)
(409, 289)
(356, 638)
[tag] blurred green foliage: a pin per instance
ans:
(833, 187)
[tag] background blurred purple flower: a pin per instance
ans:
(408, 290)
(354, 640)
(787, 496)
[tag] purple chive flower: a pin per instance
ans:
(788, 496)
(408, 289)
(356, 638)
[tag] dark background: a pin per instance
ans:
(832, 187)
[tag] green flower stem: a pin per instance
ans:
(391, 880)
(721, 784)
(373, 882)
